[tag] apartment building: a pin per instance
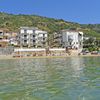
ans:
(72, 39)
(32, 37)
(69, 39)
(4, 41)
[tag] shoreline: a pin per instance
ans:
(4, 57)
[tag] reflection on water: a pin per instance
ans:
(50, 79)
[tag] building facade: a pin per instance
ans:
(4, 41)
(69, 39)
(32, 37)
(72, 39)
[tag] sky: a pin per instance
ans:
(81, 11)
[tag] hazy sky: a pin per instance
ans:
(81, 11)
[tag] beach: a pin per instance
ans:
(11, 56)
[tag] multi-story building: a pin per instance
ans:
(4, 41)
(32, 37)
(69, 39)
(72, 39)
(1, 34)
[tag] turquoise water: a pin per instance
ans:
(76, 78)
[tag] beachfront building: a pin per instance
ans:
(1, 34)
(32, 37)
(72, 39)
(1, 38)
(4, 41)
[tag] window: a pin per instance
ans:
(70, 43)
(70, 37)
(33, 35)
(25, 41)
(76, 42)
(33, 31)
(33, 40)
(25, 31)
(25, 35)
(44, 39)
(33, 45)
(43, 35)
(0, 32)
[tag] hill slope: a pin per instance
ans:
(14, 22)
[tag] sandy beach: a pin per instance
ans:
(11, 57)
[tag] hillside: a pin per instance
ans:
(14, 22)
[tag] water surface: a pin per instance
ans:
(76, 78)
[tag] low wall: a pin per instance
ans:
(44, 52)
(39, 52)
(37, 49)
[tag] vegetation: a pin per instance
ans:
(12, 23)
(93, 48)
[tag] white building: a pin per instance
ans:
(32, 37)
(72, 39)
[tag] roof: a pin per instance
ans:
(76, 31)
